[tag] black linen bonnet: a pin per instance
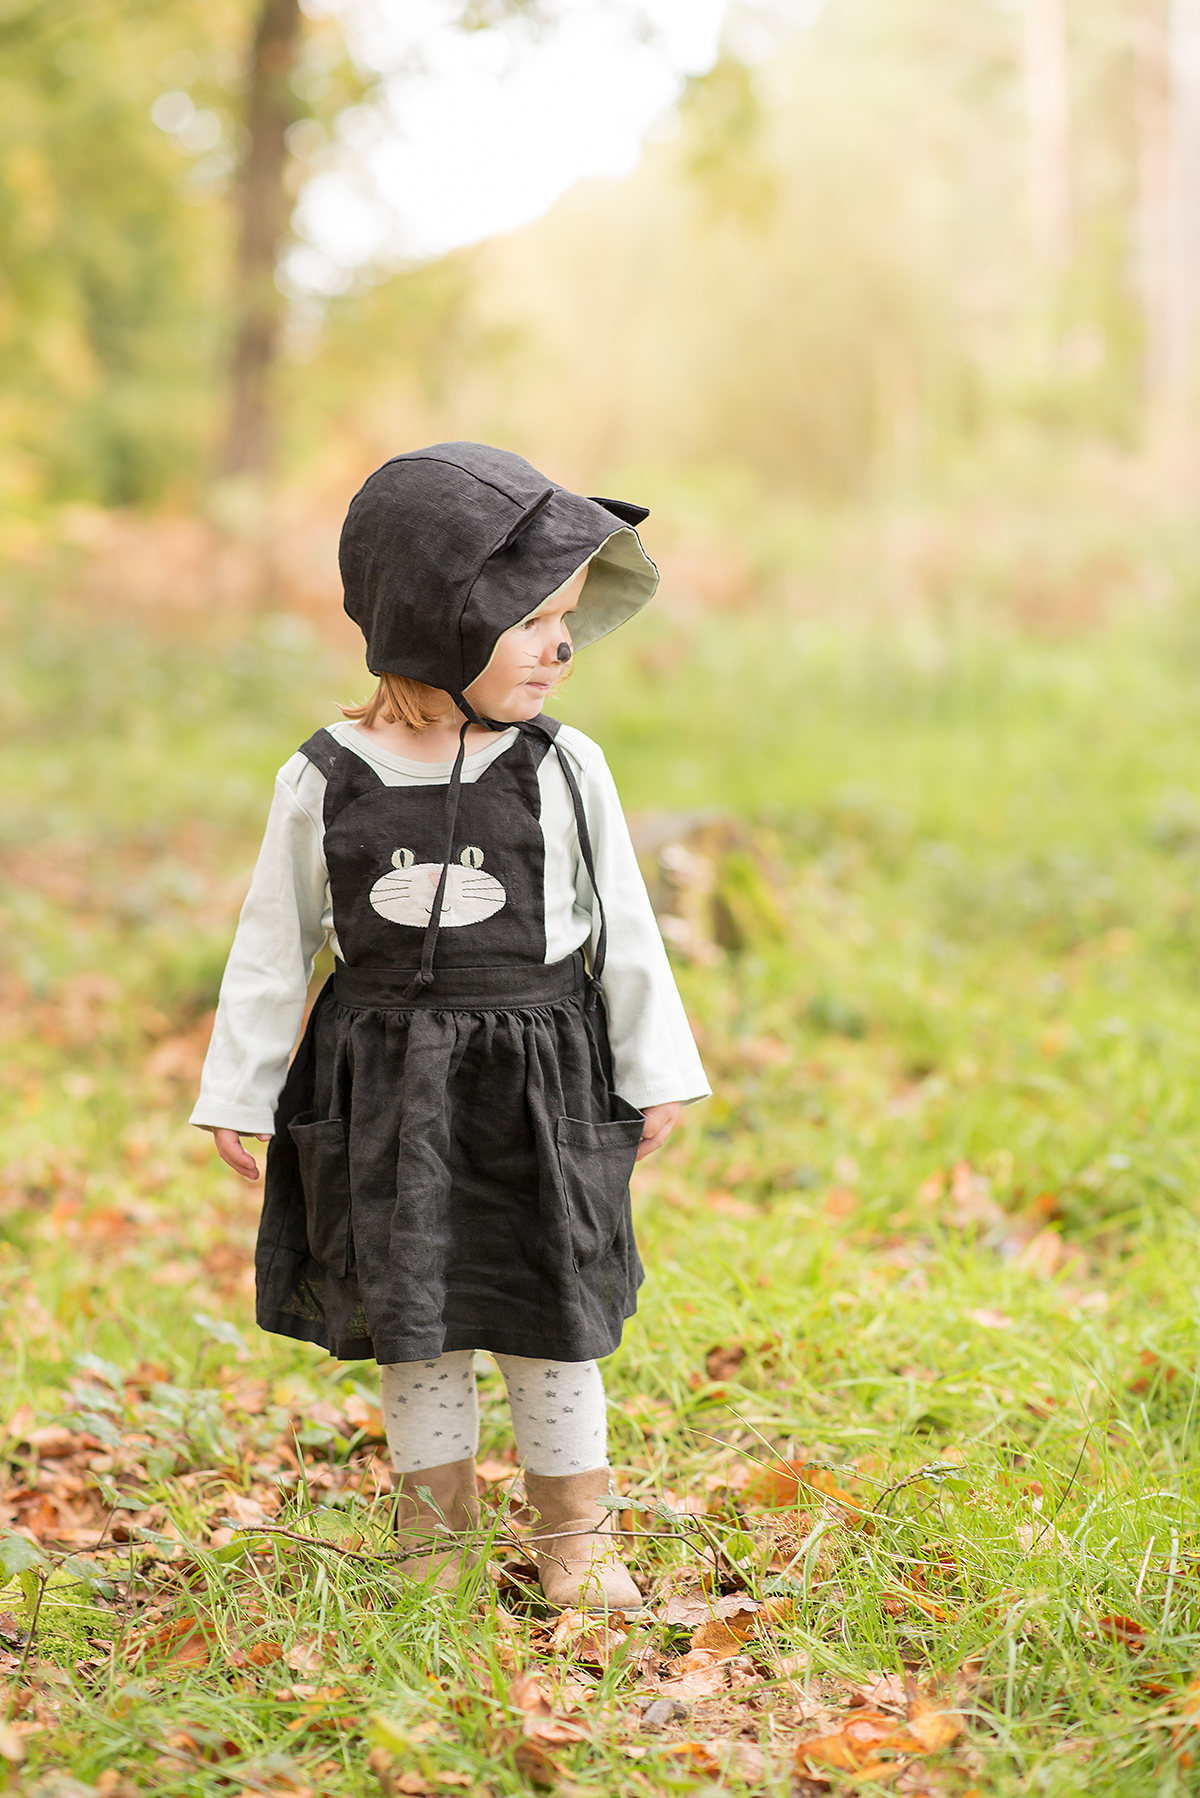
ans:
(446, 548)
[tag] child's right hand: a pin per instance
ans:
(229, 1148)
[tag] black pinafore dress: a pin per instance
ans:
(450, 1166)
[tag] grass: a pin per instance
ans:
(932, 1247)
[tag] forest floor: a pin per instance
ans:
(905, 1426)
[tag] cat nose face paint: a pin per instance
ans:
(564, 652)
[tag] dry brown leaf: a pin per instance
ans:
(535, 1764)
(1125, 1630)
(723, 1637)
(53, 1441)
(308, 1654)
(263, 1653)
(971, 1197)
(530, 1696)
(723, 1362)
(184, 1642)
(365, 1416)
(690, 1609)
(697, 1755)
(1187, 1719)
(936, 1611)
(886, 1691)
(776, 1610)
(493, 1472)
(933, 1727)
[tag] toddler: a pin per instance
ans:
(501, 1038)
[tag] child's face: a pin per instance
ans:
(525, 669)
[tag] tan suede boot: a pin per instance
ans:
(577, 1560)
(422, 1525)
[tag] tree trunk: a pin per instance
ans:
(1048, 107)
(1153, 119)
(1169, 204)
(264, 208)
(1183, 200)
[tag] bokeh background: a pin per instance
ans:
(889, 310)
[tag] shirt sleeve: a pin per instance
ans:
(284, 923)
(655, 1059)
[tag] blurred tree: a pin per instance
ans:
(1168, 114)
(1048, 103)
(263, 207)
(110, 246)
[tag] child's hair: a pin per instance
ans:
(398, 700)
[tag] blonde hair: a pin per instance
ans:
(398, 700)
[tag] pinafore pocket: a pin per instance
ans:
(595, 1162)
(325, 1176)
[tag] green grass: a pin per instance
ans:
(943, 1206)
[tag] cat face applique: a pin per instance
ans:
(406, 895)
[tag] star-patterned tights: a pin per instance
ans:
(431, 1412)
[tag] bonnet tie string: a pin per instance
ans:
(585, 844)
(424, 976)
(533, 728)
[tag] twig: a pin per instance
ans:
(44, 1581)
(1074, 1475)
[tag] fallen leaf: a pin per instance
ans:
(971, 1197)
(183, 1642)
(723, 1362)
(991, 1320)
(308, 1654)
(365, 1416)
(777, 1488)
(1125, 1630)
(492, 1472)
(53, 1441)
(933, 1727)
(726, 1204)
(1043, 1254)
(529, 1695)
(689, 1609)
(697, 1682)
(535, 1764)
(723, 1637)
(886, 1691)
(1187, 1718)
(697, 1755)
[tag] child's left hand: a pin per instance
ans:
(660, 1121)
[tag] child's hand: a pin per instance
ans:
(229, 1148)
(660, 1121)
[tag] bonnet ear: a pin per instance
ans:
(622, 509)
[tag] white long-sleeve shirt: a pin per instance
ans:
(288, 918)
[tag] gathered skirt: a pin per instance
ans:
(451, 1171)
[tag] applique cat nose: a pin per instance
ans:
(564, 652)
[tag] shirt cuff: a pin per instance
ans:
(243, 1118)
(642, 1096)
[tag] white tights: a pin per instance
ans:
(431, 1412)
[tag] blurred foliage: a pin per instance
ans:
(120, 135)
(112, 257)
(821, 273)
(823, 276)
